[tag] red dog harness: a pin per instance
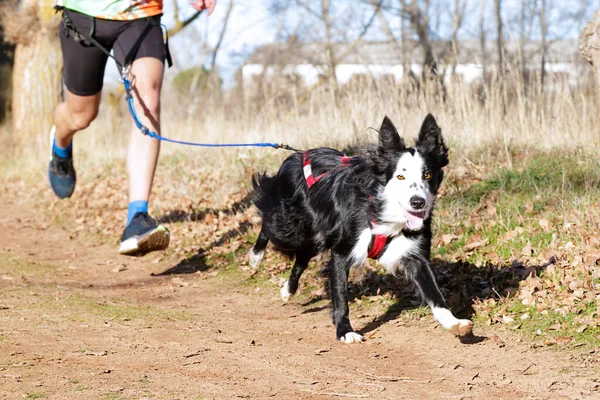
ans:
(306, 167)
(378, 242)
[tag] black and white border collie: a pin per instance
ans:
(378, 205)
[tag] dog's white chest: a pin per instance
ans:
(399, 248)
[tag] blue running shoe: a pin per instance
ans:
(143, 235)
(61, 172)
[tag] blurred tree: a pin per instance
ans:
(191, 80)
(335, 27)
(544, 43)
(499, 39)
(419, 22)
(6, 65)
(482, 33)
(457, 20)
(589, 46)
(37, 73)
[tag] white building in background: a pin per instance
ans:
(307, 61)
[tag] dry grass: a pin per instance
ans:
(476, 122)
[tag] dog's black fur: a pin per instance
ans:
(332, 214)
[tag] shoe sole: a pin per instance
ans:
(139, 245)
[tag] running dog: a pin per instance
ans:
(378, 205)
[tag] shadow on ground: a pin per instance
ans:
(197, 215)
(462, 284)
(197, 262)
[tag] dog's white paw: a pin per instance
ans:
(285, 292)
(458, 327)
(351, 337)
(255, 258)
(464, 327)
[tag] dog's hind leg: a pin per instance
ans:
(290, 286)
(258, 251)
(418, 270)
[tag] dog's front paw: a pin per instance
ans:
(351, 337)
(285, 292)
(463, 328)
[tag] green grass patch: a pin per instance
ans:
(112, 396)
(568, 174)
(548, 326)
(35, 395)
(82, 307)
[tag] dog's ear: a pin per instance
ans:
(430, 141)
(389, 140)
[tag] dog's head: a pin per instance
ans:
(412, 174)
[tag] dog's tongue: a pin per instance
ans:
(414, 220)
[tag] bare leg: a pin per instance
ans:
(142, 155)
(74, 114)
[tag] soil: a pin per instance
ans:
(78, 321)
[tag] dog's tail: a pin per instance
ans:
(262, 193)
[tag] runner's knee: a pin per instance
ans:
(149, 97)
(81, 119)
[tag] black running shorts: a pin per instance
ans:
(84, 64)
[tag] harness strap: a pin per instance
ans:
(307, 169)
(88, 39)
(378, 243)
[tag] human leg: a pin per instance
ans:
(83, 76)
(142, 42)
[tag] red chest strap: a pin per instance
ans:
(307, 168)
(378, 245)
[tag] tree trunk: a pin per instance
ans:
(37, 75)
(521, 55)
(457, 19)
(420, 24)
(589, 47)
(500, 39)
(405, 37)
(482, 37)
(6, 67)
(544, 27)
(331, 57)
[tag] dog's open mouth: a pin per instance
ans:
(414, 219)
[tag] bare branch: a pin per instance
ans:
(362, 34)
(179, 26)
(221, 36)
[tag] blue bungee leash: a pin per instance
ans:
(148, 132)
(154, 135)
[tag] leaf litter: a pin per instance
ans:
(551, 268)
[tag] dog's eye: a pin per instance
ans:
(427, 175)
(401, 177)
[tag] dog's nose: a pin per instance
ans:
(417, 202)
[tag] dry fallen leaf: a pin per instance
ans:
(476, 244)
(498, 341)
(563, 340)
(447, 238)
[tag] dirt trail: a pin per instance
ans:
(79, 321)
